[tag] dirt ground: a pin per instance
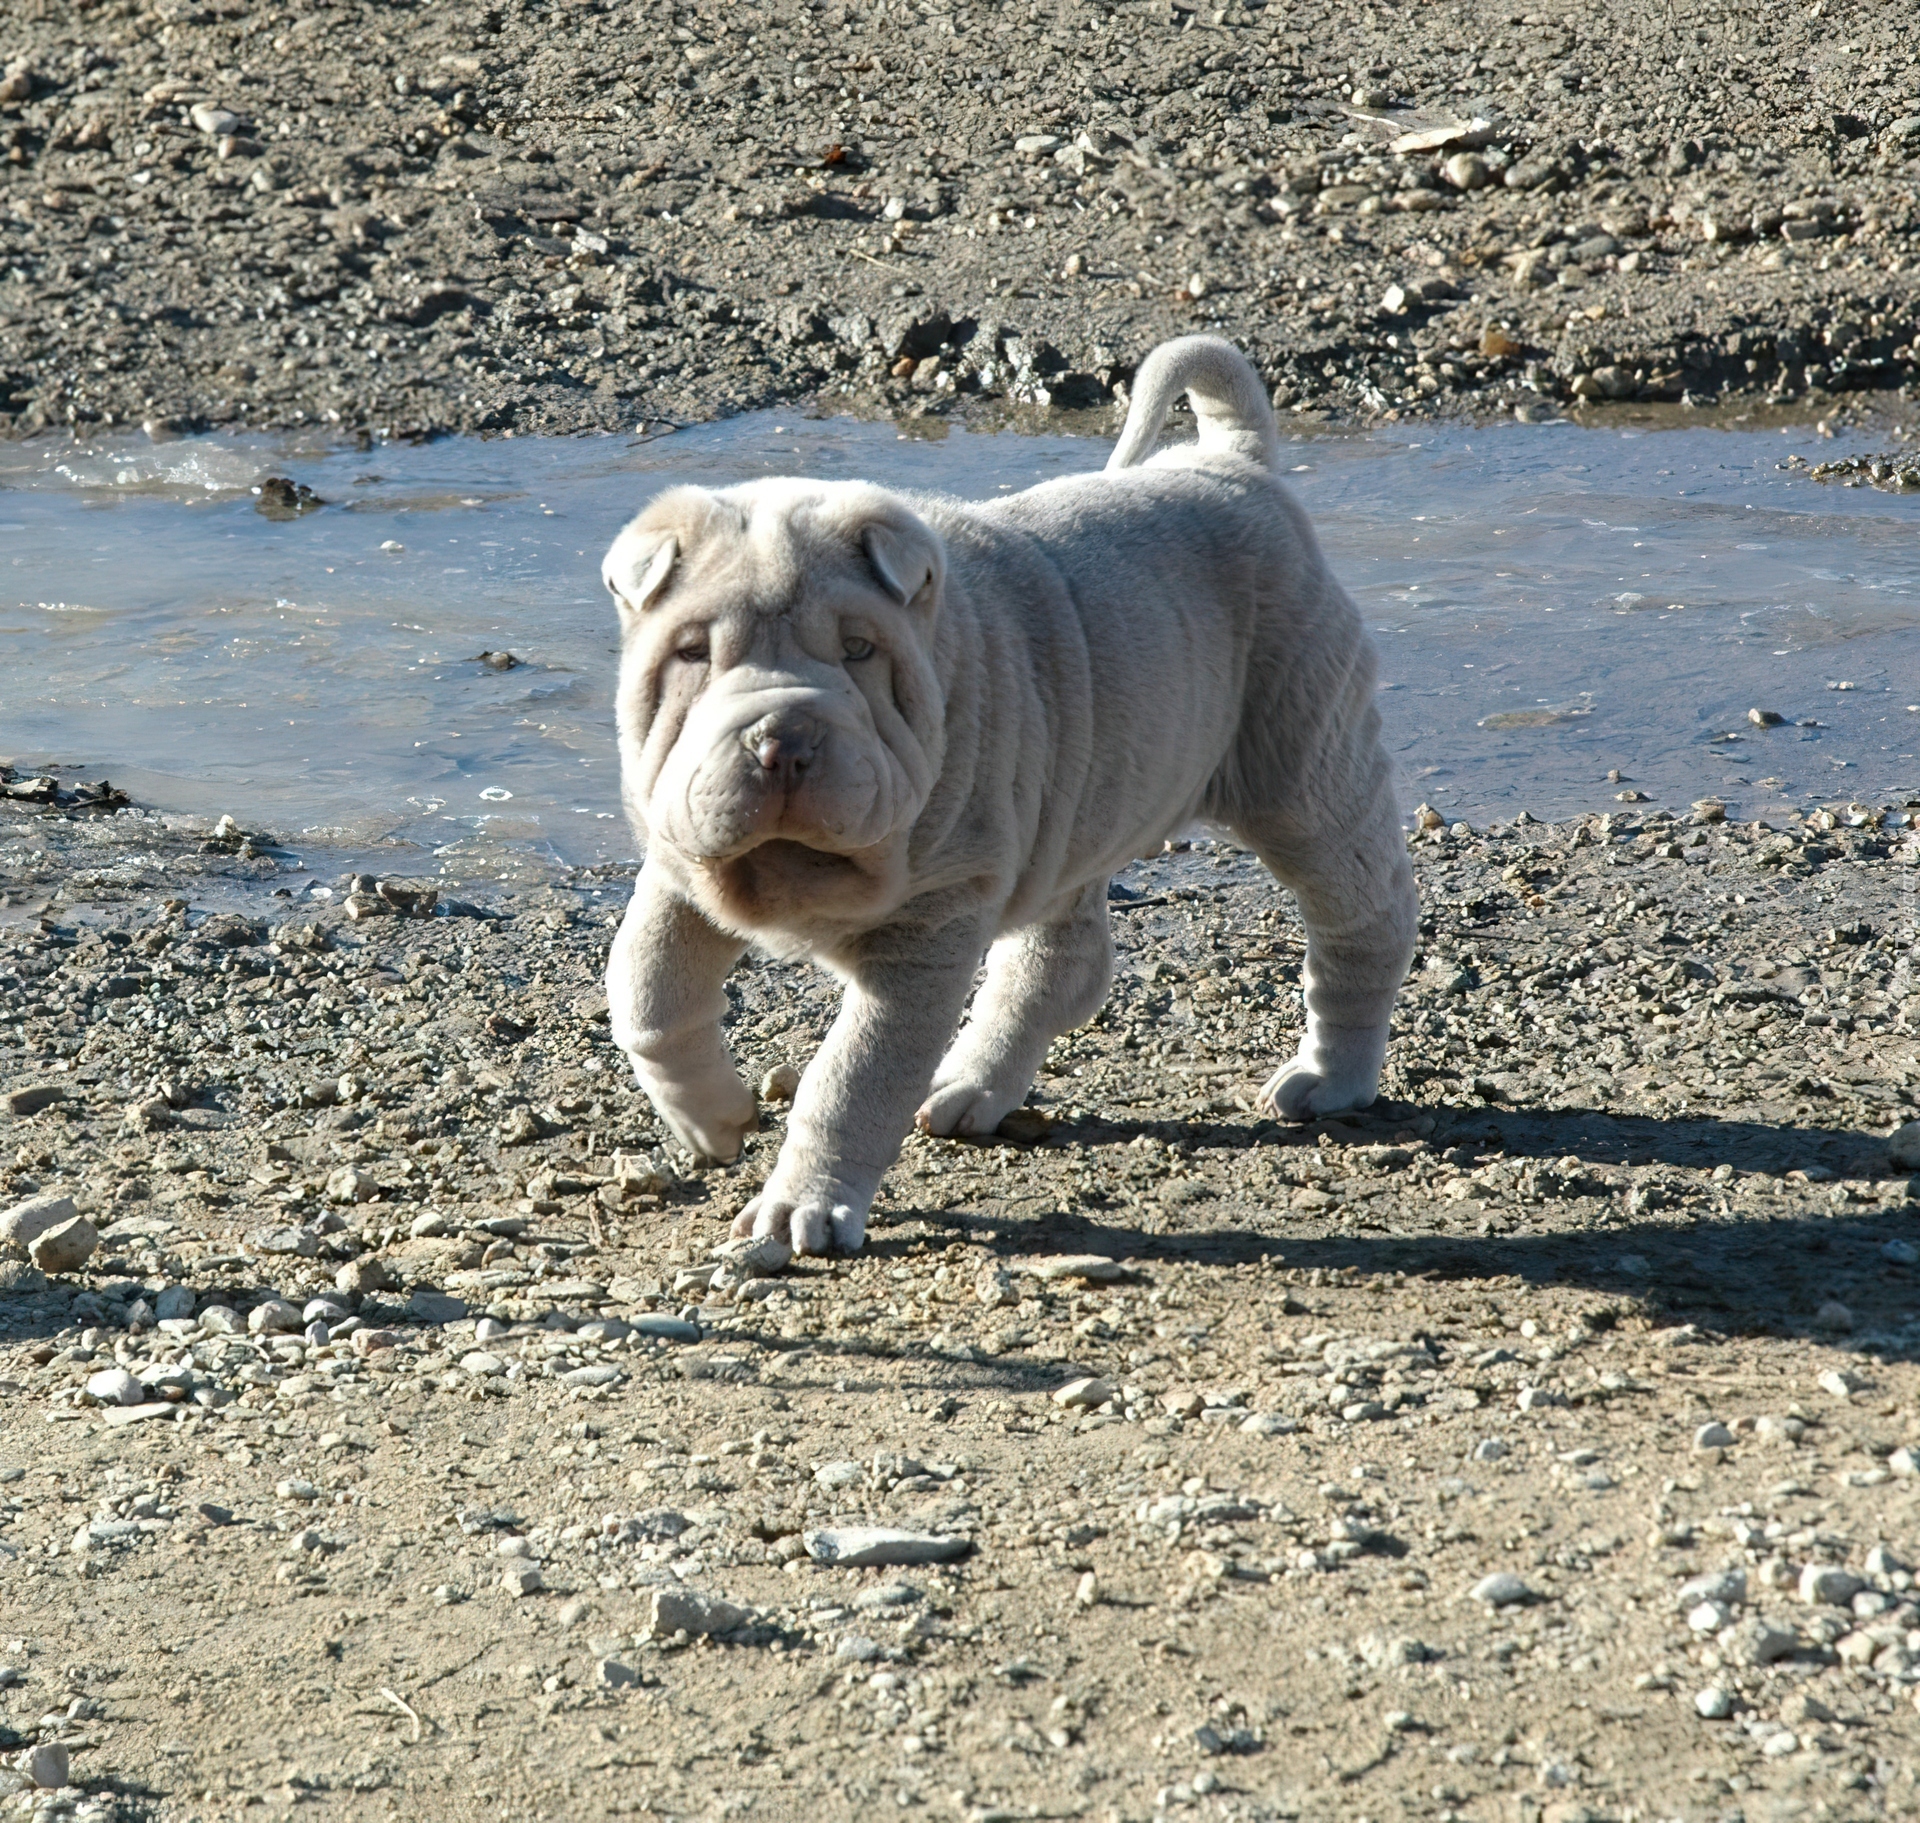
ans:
(1613, 1300)
(402, 217)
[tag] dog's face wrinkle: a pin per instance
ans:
(777, 587)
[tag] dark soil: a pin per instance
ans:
(562, 217)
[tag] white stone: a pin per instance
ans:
(860, 1547)
(1268, 1424)
(1903, 1147)
(522, 1577)
(482, 1365)
(1092, 1266)
(1501, 1590)
(1713, 1703)
(1082, 1394)
(1840, 1383)
(24, 1223)
(216, 122)
(1729, 1586)
(115, 1386)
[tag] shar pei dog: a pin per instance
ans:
(895, 734)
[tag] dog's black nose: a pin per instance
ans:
(784, 744)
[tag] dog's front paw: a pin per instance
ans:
(711, 1118)
(1323, 1080)
(967, 1110)
(816, 1224)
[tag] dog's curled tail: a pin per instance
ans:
(1226, 394)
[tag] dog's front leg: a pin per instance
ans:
(664, 1002)
(856, 1101)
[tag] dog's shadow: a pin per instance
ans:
(1697, 1251)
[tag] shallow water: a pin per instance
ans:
(1550, 602)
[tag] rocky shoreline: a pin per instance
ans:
(1547, 1435)
(582, 218)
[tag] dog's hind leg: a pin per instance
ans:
(1348, 869)
(1041, 981)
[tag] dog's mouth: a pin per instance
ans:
(782, 874)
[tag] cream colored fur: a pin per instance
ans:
(893, 735)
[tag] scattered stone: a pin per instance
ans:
(274, 1318)
(1903, 1147)
(865, 1547)
(1728, 1587)
(49, 1766)
(1082, 1394)
(1828, 1585)
(1803, 1709)
(1841, 1383)
(22, 1102)
(1502, 1589)
(667, 1329)
(611, 1674)
(24, 1223)
(688, 1611)
(1268, 1424)
(66, 1247)
(522, 1577)
(115, 1386)
(760, 1256)
(1759, 1640)
(779, 1083)
(1713, 1436)
(1095, 1268)
(1713, 1703)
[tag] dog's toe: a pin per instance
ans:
(811, 1225)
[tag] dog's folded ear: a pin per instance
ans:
(906, 557)
(638, 565)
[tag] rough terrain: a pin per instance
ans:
(1541, 1444)
(573, 216)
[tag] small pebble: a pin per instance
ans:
(522, 1577)
(1502, 1589)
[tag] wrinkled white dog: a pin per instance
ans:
(892, 735)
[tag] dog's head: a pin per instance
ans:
(780, 714)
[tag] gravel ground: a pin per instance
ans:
(576, 216)
(1540, 1445)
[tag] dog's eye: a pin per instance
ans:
(857, 649)
(694, 652)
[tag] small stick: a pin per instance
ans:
(405, 1708)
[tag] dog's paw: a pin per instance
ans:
(967, 1110)
(816, 1225)
(1301, 1091)
(711, 1120)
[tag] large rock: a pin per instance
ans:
(24, 1223)
(65, 1248)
